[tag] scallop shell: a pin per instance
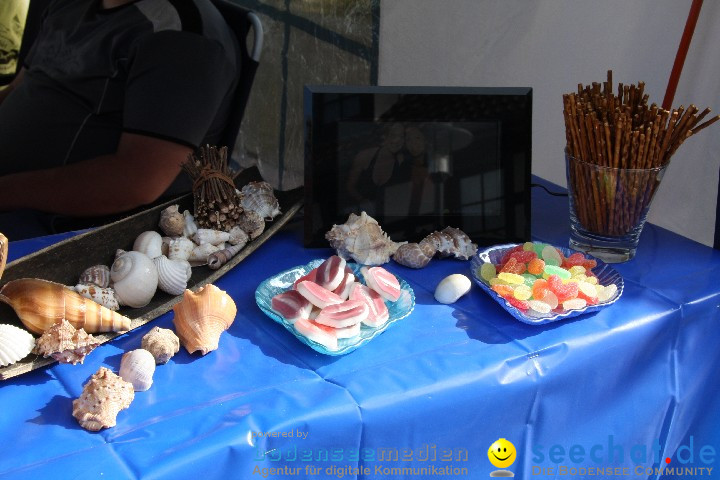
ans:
(96, 275)
(65, 343)
(213, 237)
(173, 275)
(3, 252)
(149, 243)
(162, 343)
(104, 296)
(251, 223)
(258, 197)
(200, 318)
(138, 367)
(190, 225)
(172, 222)
(414, 255)
(452, 241)
(102, 398)
(180, 248)
(362, 240)
(135, 279)
(41, 303)
(15, 344)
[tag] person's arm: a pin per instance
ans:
(15, 82)
(102, 185)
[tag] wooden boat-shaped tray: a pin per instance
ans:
(64, 261)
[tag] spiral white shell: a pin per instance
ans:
(149, 243)
(104, 296)
(200, 253)
(190, 225)
(173, 275)
(180, 248)
(15, 344)
(138, 367)
(213, 237)
(135, 279)
(97, 275)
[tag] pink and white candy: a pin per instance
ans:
(321, 334)
(377, 310)
(344, 314)
(317, 295)
(383, 282)
(331, 272)
(291, 305)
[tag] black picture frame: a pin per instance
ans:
(474, 172)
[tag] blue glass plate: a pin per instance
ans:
(604, 273)
(284, 281)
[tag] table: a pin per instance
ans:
(614, 393)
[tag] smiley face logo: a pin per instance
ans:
(501, 453)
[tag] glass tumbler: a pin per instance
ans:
(608, 207)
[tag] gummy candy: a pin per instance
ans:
(561, 290)
(523, 256)
(513, 266)
(576, 259)
(519, 304)
(587, 292)
(551, 256)
(574, 303)
(529, 247)
(503, 290)
(511, 278)
(559, 271)
(539, 306)
(529, 279)
(522, 292)
(497, 281)
(506, 257)
(540, 289)
(487, 271)
(607, 293)
(576, 269)
(536, 266)
(551, 299)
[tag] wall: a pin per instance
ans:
(551, 46)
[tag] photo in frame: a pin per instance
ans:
(419, 159)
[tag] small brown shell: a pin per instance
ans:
(217, 259)
(251, 223)
(200, 318)
(414, 255)
(96, 275)
(65, 343)
(162, 343)
(172, 222)
(102, 398)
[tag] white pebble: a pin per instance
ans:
(451, 288)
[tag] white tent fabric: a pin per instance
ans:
(551, 46)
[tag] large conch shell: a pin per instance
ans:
(15, 344)
(135, 279)
(362, 240)
(65, 343)
(102, 398)
(41, 303)
(200, 318)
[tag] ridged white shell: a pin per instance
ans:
(138, 367)
(180, 248)
(15, 344)
(190, 225)
(149, 243)
(135, 279)
(173, 275)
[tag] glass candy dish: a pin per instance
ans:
(604, 273)
(283, 281)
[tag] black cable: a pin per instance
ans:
(556, 194)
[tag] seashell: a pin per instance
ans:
(360, 238)
(104, 296)
(200, 318)
(213, 237)
(238, 236)
(41, 303)
(180, 248)
(258, 197)
(173, 275)
(414, 255)
(96, 275)
(137, 367)
(165, 247)
(251, 223)
(65, 343)
(200, 253)
(135, 279)
(190, 225)
(15, 344)
(451, 288)
(452, 241)
(172, 222)
(102, 398)
(217, 259)
(149, 243)
(162, 343)
(3, 252)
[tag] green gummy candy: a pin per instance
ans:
(487, 271)
(555, 270)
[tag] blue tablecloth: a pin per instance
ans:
(607, 395)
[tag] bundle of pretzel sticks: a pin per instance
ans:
(620, 147)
